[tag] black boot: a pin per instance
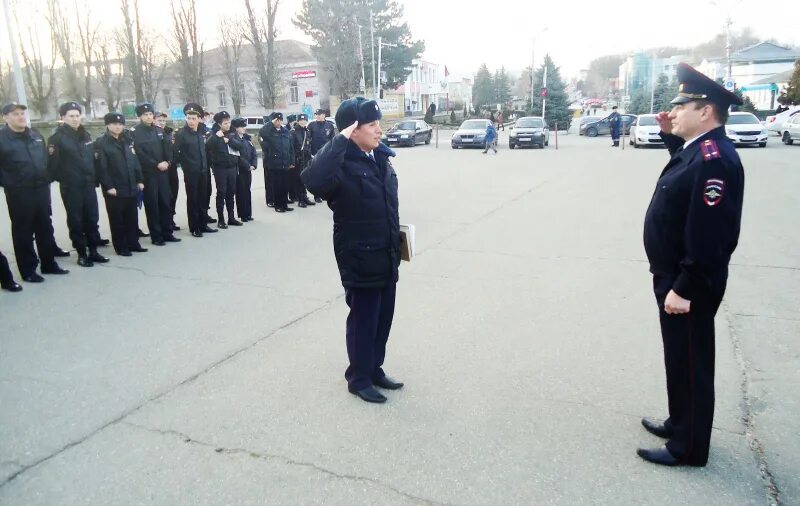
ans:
(83, 259)
(94, 256)
(301, 204)
(221, 224)
(318, 200)
(234, 222)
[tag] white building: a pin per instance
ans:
(460, 93)
(752, 64)
(425, 85)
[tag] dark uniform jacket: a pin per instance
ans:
(117, 165)
(190, 150)
(363, 196)
(615, 123)
(276, 146)
(320, 132)
(249, 155)
(300, 145)
(23, 159)
(692, 224)
(71, 160)
(219, 154)
(152, 146)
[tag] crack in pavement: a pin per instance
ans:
(284, 459)
(540, 257)
(778, 267)
(749, 416)
(159, 395)
(767, 317)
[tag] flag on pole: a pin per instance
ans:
(446, 73)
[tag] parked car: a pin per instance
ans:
(744, 129)
(645, 131)
(408, 133)
(602, 127)
(254, 123)
(470, 134)
(585, 120)
(775, 123)
(791, 130)
(529, 131)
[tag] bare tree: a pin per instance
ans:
(189, 51)
(39, 76)
(61, 34)
(231, 36)
(87, 35)
(152, 72)
(5, 82)
(110, 81)
(139, 52)
(262, 36)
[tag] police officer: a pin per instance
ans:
(190, 153)
(205, 128)
(248, 162)
(224, 152)
(691, 229)
(71, 163)
(615, 124)
(25, 179)
(302, 155)
(174, 180)
(153, 149)
(121, 180)
(353, 173)
(269, 193)
(278, 155)
(320, 131)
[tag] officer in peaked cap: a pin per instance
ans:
(691, 230)
(320, 131)
(300, 144)
(269, 122)
(190, 152)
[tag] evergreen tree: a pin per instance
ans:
(791, 95)
(483, 88)
(557, 109)
(502, 87)
(640, 102)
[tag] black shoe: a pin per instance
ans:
(387, 383)
(11, 286)
(301, 204)
(660, 456)
(104, 242)
(159, 243)
(234, 222)
(172, 238)
(208, 230)
(656, 428)
(287, 208)
(270, 204)
(84, 261)
(209, 219)
(96, 257)
(280, 210)
(33, 278)
(142, 234)
(221, 224)
(197, 233)
(175, 227)
(139, 250)
(369, 394)
(54, 269)
(318, 200)
(60, 252)
(124, 253)
(309, 203)
(249, 218)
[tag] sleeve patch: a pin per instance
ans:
(713, 191)
(710, 150)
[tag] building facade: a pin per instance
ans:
(426, 84)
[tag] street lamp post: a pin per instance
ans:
(533, 61)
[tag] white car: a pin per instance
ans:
(744, 129)
(775, 123)
(644, 132)
(791, 130)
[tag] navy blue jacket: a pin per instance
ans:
(615, 123)
(692, 224)
(219, 156)
(23, 159)
(300, 145)
(190, 150)
(276, 147)
(249, 155)
(362, 194)
(152, 146)
(71, 160)
(117, 165)
(320, 133)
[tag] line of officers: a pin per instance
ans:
(138, 166)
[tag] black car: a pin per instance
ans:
(408, 133)
(602, 128)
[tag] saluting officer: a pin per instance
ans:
(248, 162)
(224, 151)
(320, 131)
(153, 150)
(302, 155)
(26, 182)
(190, 153)
(174, 179)
(691, 229)
(71, 163)
(276, 145)
(121, 179)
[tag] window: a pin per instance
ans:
(221, 96)
(293, 93)
(242, 94)
(167, 98)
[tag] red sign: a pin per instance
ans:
(544, 93)
(309, 93)
(302, 74)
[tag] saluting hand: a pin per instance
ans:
(140, 186)
(347, 132)
(664, 122)
(675, 304)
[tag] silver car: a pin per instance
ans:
(791, 130)
(744, 129)
(471, 133)
(529, 131)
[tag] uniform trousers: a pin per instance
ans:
(689, 362)
(123, 219)
(368, 326)
(297, 190)
(174, 186)
(29, 211)
(80, 203)
(280, 188)
(269, 191)
(157, 208)
(5, 271)
(244, 202)
(196, 188)
(225, 180)
(207, 196)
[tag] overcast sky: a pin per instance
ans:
(463, 34)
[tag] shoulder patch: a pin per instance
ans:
(51, 149)
(713, 191)
(710, 150)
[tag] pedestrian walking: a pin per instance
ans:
(490, 138)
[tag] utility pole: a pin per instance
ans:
(533, 48)
(728, 23)
(652, 81)
(380, 47)
(363, 83)
(20, 85)
(544, 86)
(372, 46)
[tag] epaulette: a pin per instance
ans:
(710, 150)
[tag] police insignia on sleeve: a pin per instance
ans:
(710, 150)
(713, 191)
(51, 149)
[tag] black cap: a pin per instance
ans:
(357, 109)
(69, 106)
(291, 118)
(161, 114)
(276, 115)
(697, 86)
(143, 108)
(614, 108)
(13, 106)
(239, 123)
(114, 117)
(193, 108)
(221, 116)
(302, 117)
(321, 111)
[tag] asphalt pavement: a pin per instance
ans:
(211, 371)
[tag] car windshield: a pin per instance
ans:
(743, 119)
(406, 125)
(474, 124)
(647, 121)
(530, 123)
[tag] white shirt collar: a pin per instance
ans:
(686, 144)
